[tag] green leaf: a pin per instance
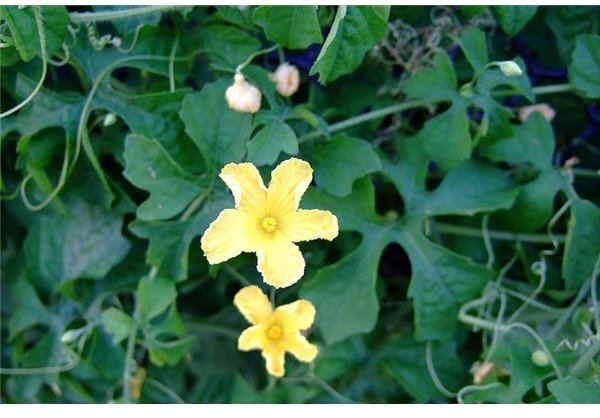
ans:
(409, 173)
(273, 138)
(344, 293)
(154, 296)
(584, 71)
(435, 83)
(341, 160)
(582, 247)
(27, 308)
(87, 244)
(532, 145)
(227, 46)
(170, 240)
(481, 187)
(570, 390)
(47, 108)
(569, 22)
(404, 358)
(441, 282)
(166, 341)
(219, 133)
(336, 359)
(356, 305)
(150, 167)
(24, 29)
(117, 323)
(446, 137)
(473, 45)
(153, 115)
(293, 27)
(471, 11)
(512, 19)
(355, 30)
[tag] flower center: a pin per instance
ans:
(274, 332)
(269, 224)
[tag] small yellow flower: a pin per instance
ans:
(268, 221)
(275, 331)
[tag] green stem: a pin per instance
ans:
(583, 172)
(366, 117)
(327, 388)
(553, 88)
(397, 108)
(82, 17)
(256, 54)
(497, 235)
(128, 363)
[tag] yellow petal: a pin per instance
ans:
(228, 236)
(298, 315)
(275, 359)
(252, 338)
(306, 225)
(247, 186)
(301, 348)
(289, 181)
(280, 261)
(253, 304)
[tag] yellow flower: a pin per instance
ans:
(268, 221)
(275, 332)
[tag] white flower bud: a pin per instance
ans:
(109, 119)
(540, 358)
(510, 68)
(243, 96)
(543, 108)
(287, 79)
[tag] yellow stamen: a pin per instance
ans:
(269, 224)
(274, 332)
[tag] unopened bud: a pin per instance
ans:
(510, 68)
(287, 79)
(116, 41)
(109, 119)
(243, 96)
(547, 112)
(481, 372)
(540, 358)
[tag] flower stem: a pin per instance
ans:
(81, 17)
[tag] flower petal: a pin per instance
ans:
(298, 315)
(228, 236)
(247, 186)
(289, 181)
(301, 348)
(253, 304)
(252, 338)
(306, 225)
(280, 261)
(275, 358)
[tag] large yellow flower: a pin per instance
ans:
(268, 221)
(275, 332)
